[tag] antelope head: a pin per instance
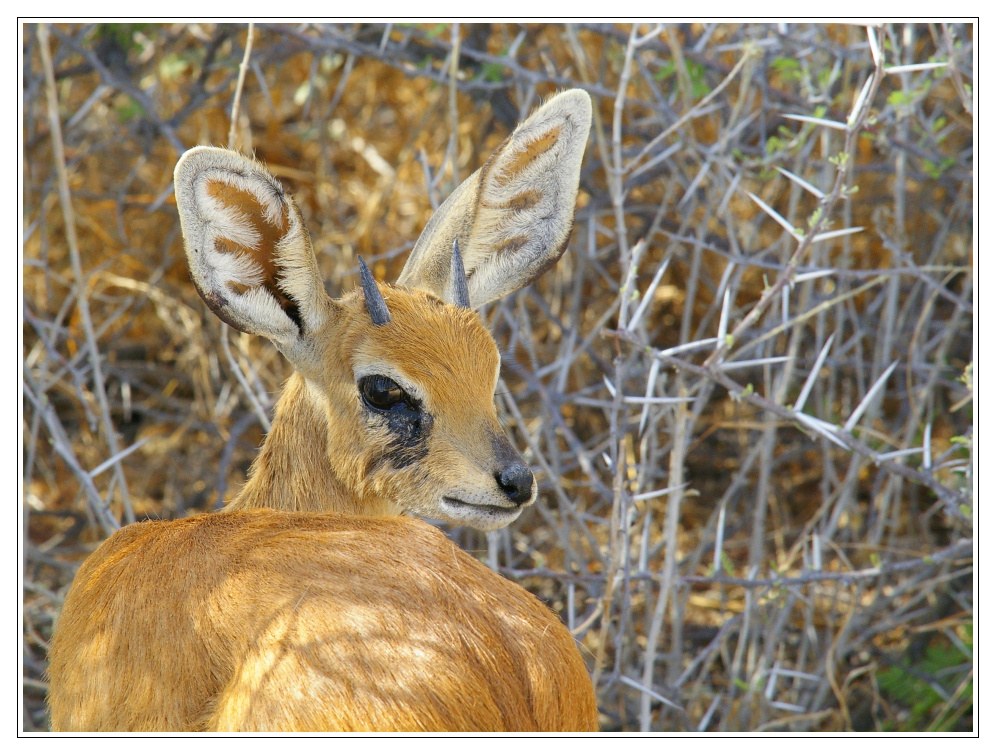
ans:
(391, 408)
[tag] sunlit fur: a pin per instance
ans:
(273, 621)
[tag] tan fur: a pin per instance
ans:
(310, 604)
(263, 620)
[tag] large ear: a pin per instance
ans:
(513, 217)
(249, 253)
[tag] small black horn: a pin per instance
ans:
(458, 279)
(376, 305)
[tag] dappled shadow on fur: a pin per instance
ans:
(272, 620)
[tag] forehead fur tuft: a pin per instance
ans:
(444, 348)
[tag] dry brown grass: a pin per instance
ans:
(795, 576)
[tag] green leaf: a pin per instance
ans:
(917, 685)
(773, 145)
(899, 98)
(172, 66)
(492, 72)
(788, 68)
(840, 160)
(666, 71)
(727, 564)
(129, 111)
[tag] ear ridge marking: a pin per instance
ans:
(527, 155)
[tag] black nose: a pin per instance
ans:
(517, 482)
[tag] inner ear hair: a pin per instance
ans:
(248, 251)
(513, 217)
(261, 254)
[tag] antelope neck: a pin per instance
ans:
(294, 469)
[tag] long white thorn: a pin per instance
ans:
(651, 383)
(823, 428)
(724, 317)
(648, 296)
(657, 400)
(859, 102)
(727, 366)
(775, 216)
(690, 346)
(659, 493)
(839, 232)
(856, 414)
(811, 379)
(804, 184)
(816, 121)
(873, 44)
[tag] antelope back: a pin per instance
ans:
(393, 404)
(274, 621)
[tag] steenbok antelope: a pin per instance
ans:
(311, 602)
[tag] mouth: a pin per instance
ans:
(497, 515)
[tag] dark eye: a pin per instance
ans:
(381, 392)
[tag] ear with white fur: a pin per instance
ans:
(513, 217)
(249, 253)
